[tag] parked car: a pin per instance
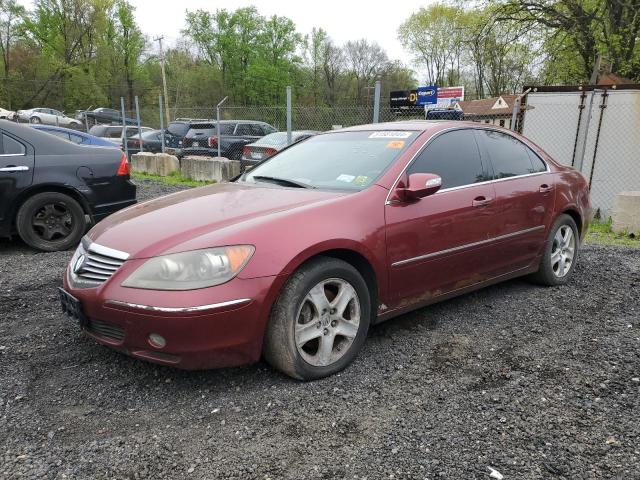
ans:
(202, 138)
(298, 257)
(113, 133)
(174, 135)
(103, 115)
(269, 145)
(75, 136)
(151, 141)
(47, 116)
(7, 114)
(49, 187)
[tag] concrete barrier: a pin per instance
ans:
(626, 213)
(154, 163)
(219, 169)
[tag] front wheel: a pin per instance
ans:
(50, 221)
(560, 253)
(320, 321)
(35, 120)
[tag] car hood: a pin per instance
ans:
(175, 222)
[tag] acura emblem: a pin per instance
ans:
(79, 264)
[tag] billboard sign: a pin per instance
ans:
(414, 98)
(427, 95)
(448, 96)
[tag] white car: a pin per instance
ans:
(6, 114)
(47, 116)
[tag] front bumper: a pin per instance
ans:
(225, 330)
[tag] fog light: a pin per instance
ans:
(157, 341)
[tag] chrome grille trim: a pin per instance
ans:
(99, 265)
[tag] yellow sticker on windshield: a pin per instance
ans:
(395, 144)
(360, 180)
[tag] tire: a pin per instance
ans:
(549, 272)
(51, 221)
(295, 309)
(35, 120)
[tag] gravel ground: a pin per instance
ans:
(530, 381)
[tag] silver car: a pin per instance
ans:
(261, 149)
(46, 116)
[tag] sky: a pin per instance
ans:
(342, 19)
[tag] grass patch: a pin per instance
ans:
(602, 233)
(175, 178)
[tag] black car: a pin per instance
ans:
(202, 137)
(151, 142)
(174, 135)
(103, 115)
(51, 189)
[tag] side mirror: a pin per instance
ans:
(421, 185)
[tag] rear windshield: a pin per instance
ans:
(340, 160)
(276, 139)
(178, 129)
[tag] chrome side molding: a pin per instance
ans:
(466, 246)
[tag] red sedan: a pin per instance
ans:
(298, 257)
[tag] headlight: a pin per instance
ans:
(191, 270)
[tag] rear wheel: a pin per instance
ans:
(560, 253)
(320, 321)
(50, 221)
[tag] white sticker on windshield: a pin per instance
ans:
(345, 178)
(390, 135)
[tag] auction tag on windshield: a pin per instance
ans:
(390, 135)
(395, 144)
(345, 178)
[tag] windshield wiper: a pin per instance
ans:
(282, 181)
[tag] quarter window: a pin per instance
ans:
(455, 157)
(12, 147)
(538, 164)
(509, 156)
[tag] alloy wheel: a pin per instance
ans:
(52, 221)
(563, 251)
(327, 322)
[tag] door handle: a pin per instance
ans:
(481, 201)
(544, 188)
(13, 168)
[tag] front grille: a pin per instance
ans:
(106, 330)
(93, 264)
(99, 267)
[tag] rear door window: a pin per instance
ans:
(256, 130)
(455, 157)
(243, 130)
(509, 156)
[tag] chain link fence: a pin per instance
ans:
(595, 130)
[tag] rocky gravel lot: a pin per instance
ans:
(530, 381)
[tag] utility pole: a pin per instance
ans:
(164, 79)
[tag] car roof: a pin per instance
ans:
(414, 125)
(59, 129)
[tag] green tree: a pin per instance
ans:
(11, 15)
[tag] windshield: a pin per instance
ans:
(340, 160)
